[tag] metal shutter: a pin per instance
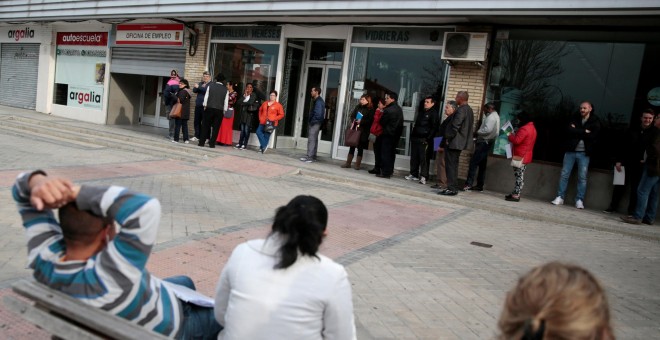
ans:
(19, 67)
(147, 61)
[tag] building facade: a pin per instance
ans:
(542, 56)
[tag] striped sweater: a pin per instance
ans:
(114, 279)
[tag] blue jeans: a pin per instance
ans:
(647, 197)
(583, 165)
(263, 136)
(198, 322)
(245, 134)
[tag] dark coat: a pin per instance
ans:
(169, 93)
(317, 112)
(184, 98)
(653, 153)
(426, 124)
(201, 91)
(579, 132)
(249, 110)
(365, 123)
(459, 132)
(392, 120)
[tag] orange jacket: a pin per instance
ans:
(274, 112)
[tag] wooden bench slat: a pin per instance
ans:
(47, 321)
(96, 320)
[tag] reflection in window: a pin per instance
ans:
(245, 63)
(412, 73)
(551, 78)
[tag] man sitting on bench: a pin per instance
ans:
(86, 257)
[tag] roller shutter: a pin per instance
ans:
(147, 61)
(19, 68)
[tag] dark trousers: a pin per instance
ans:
(198, 322)
(420, 154)
(377, 155)
(451, 164)
(633, 175)
(478, 162)
(387, 154)
(210, 124)
(178, 125)
(197, 122)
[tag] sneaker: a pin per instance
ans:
(309, 160)
(467, 188)
(411, 178)
(186, 142)
(448, 192)
(512, 198)
(579, 204)
(194, 139)
(173, 141)
(558, 201)
(237, 146)
(422, 180)
(242, 147)
(302, 159)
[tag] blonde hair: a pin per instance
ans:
(556, 301)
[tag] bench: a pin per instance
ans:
(67, 318)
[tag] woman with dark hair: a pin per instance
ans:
(227, 126)
(522, 144)
(366, 110)
(270, 111)
(181, 123)
(375, 131)
(281, 287)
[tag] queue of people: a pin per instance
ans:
(278, 287)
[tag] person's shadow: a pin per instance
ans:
(122, 119)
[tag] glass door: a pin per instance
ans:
(153, 106)
(290, 94)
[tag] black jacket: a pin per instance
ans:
(392, 120)
(426, 124)
(184, 98)
(459, 131)
(578, 131)
(249, 110)
(365, 123)
(631, 151)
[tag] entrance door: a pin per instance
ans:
(327, 78)
(153, 106)
(314, 63)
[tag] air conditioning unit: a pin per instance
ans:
(465, 46)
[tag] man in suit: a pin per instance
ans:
(216, 102)
(458, 137)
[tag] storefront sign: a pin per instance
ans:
(80, 69)
(150, 34)
(18, 34)
(399, 35)
(82, 38)
(261, 33)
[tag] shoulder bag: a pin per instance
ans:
(229, 113)
(269, 127)
(176, 111)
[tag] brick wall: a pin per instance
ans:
(195, 65)
(468, 76)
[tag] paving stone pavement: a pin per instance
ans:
(414, 273)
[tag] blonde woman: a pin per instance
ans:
(556, 301)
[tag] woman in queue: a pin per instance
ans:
(181, 123)
(270, 113)
(249, 110)
(522, 143)
(227, 126)
(365, 109)
(374, 132)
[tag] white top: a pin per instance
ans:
(309, 300)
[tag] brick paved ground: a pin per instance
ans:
(408, 253)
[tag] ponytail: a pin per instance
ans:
(301, 224)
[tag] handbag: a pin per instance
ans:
(229, 113)
(517, 161)
(352, 135)
(176, 111)
(269, 127)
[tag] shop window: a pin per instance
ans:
(412, 73)
(551, 77)
(246, 63)
(327, 51)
